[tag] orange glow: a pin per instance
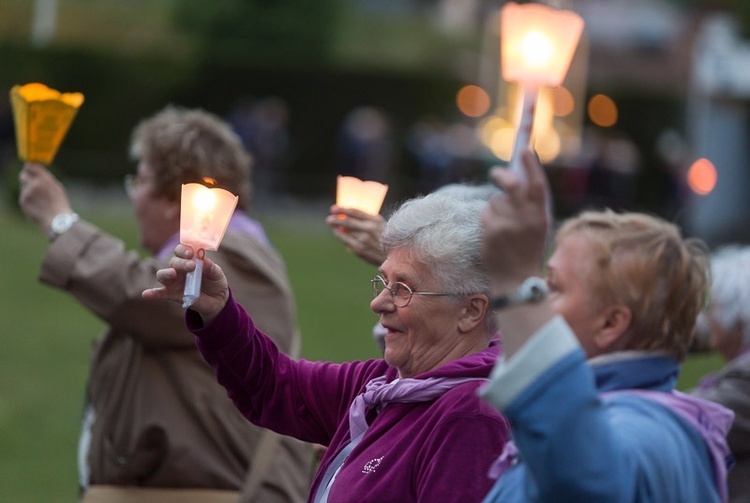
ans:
(701, 177)
(209, 181)
(473, 101)
(537, 43)
(602, 111)
(204, 215)
(563, 103)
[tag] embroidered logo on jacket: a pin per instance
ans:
(372, 465)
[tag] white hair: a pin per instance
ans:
(443, 230)
(730, 288)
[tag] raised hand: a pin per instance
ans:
(42, 196)
(515, 225)
(214, 286)
(359, 231)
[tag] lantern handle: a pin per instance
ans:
(193, 281)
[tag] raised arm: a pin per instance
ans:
(515, 233)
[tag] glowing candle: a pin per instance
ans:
(367, 196)
(204, 216)
(537, 46)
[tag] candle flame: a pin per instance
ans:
(538, 49)
(204, 201)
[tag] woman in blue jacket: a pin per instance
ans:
(591, 357)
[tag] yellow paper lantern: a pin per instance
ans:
(42, 118)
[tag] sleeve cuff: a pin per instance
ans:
(548, 345)
(63, 253)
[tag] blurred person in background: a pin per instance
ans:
(727, 319)
(408, 427)
(155, 418)
(590, 359)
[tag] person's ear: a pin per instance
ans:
(613, 332)
(474, 312)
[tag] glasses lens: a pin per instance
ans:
(130, 183)
(378, 285)
(401, 294)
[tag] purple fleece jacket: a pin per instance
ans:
(437, 451)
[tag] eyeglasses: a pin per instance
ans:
(131, 184)
(401, 294)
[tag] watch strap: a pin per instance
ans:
(531, 291)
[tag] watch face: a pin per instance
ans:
(61, 223)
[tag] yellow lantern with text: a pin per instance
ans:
(205, 213)
(42, 117)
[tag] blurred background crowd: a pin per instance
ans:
(652, 116)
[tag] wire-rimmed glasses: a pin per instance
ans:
(401, 293)
(131, 184)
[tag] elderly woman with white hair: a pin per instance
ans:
(728, 320)
(408, 427)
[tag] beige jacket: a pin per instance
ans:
(161, 420)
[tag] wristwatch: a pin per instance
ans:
(531, 291)
(61, 223)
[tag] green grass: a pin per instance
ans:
(46, 339)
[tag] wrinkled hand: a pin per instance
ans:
(214, 286)
(359, 231)
(515, 225)
(42, 196)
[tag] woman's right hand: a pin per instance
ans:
(359, 231)
(214, 287)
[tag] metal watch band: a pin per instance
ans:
(530, 291)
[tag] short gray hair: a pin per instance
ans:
(443, 230)
(730, 288)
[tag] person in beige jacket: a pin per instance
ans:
(156, 423)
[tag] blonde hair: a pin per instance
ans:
(189, 145)
(644, 263)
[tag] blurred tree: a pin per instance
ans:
(266, 32)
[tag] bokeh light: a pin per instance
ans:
(473, 101)
(602, 111)
(701, 177)
(563, 103)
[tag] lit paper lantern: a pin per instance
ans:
(537, 46)
(366, 196)
(42, 118)
(204, 216)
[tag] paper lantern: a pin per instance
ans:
(367, 196)
(42, 118)
(205, 213)
(537, 46)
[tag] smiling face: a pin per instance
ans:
(425, 334)
(158, 217)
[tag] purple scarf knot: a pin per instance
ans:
(378, 393)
